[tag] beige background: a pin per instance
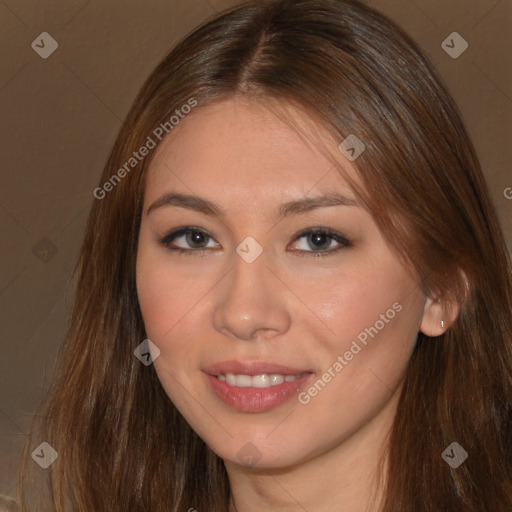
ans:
(60, 116)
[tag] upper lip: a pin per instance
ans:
(251, 368)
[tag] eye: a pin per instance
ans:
(196, 237)
(319, 239)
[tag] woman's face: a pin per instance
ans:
(276, 345)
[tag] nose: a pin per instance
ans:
(252, 301)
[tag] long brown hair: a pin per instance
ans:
(121, 443)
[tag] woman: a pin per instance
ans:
(217, 359)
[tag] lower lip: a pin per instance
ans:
(256, 399)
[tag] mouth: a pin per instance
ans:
(254, 386)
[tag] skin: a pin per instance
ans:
(299, 311)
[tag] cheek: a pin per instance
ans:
(375, 320)
(171, 309)
(158, 302)
(373, 315)
(170, 321)
(174, 308)
(168, 299)
(362, 298)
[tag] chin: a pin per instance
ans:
(260, 452)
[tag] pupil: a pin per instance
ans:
(319, 237)
(196, 238)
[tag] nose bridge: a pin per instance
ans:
(250, 274)
(251, 297)
(250, 262)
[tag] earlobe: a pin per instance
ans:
(438, 316)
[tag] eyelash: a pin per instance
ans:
(166, 240)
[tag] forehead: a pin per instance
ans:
(242, 149)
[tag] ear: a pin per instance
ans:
(438, 316)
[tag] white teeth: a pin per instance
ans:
(263, 380)
(243, 381)
(276, 379)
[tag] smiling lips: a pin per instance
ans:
(254, 386)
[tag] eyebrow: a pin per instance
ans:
(212, 209)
